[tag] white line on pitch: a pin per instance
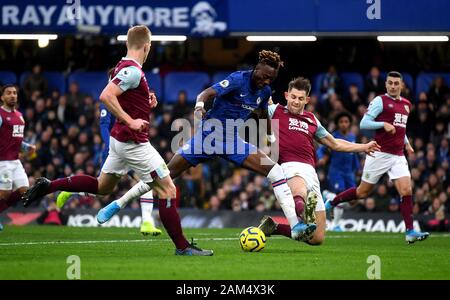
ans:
(168, 240)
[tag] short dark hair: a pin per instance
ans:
(342, 115)
(7, 86)
(395, 74)
(301, 84)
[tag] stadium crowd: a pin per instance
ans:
(66, 131)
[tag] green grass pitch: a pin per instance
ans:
(40, 252)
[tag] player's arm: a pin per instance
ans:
(202, 98)
(325, 138)
(346, 146)
(408, 146)
(124, 80)
(368, 121)
(26, 147)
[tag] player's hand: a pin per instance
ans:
(31, 150)
(371, 147)
(199, 112)
(389, 128)
(138, 125)
(409, 149)
(153, 101)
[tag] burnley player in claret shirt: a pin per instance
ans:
(388, 116)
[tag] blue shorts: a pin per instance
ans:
(203, 147)
(339, 181)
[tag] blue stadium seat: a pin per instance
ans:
(191, 82)
(7, 77)
(91, 83)
(349, 78)
(424, 80)
(56, 80)
(219, 76)
(155, 83)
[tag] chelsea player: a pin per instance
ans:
(342, 168)
(235, 98)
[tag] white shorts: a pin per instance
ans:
(396, 166)
(12, 175)
(308, 173)
(141, 158)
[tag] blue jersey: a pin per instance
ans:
(107, 120)
(346, 162)
(343, 165)
(236, 99)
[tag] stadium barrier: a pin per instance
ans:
(192, 218)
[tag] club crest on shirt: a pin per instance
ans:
(309, 120)
(258, 101)
(224, 83)
(407, 108)
(390, 105)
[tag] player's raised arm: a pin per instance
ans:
(202, 98)
(346, 146)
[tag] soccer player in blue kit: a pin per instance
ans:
(342, 168)
(236, 97)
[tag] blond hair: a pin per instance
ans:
(138, 36)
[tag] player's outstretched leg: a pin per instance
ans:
(148, 225)
(106, 213)
(310, 207)
(62, 198)
(36, 192)
(267, 225)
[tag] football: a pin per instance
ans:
(252, 239)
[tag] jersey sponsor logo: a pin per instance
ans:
(224, 83)
(248, 107)
(295, 124)
(400, 120)
(18, 130)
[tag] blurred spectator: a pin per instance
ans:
(181, 108)
(374, 84)
(35, 82)
(437, 92)
(331, 83)
(353, 98)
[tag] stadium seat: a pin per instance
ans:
(155, 83)
(349, 78)
(191, 82)
(219, 76)
(91, 83)
(7, 77)
(56, 80)
(424, 80)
